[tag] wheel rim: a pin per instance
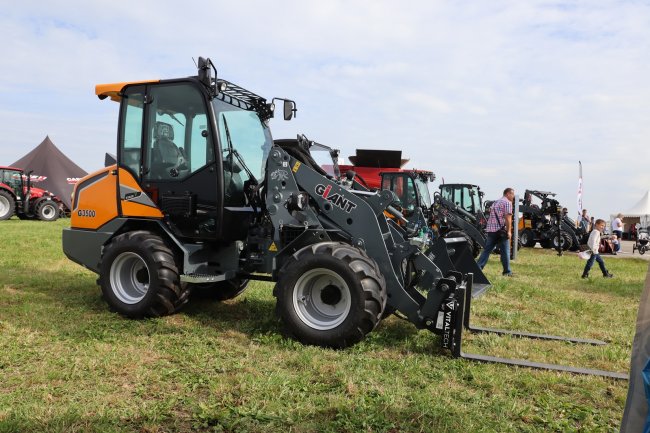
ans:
(48, 211)
(321, 298)
(129, 278)
(4, 206)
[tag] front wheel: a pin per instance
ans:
(527, 238)
(47, 210)
(139, 276)
(564, 241)
(330, 294)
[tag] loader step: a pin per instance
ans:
(202, 278)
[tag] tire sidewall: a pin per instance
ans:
(44, 204)
(305, 333)
(527, 238)
(140, 308)
(12, 205)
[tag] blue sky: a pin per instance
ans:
(493, 93)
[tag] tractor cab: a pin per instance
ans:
(12, 178)
(410, 187)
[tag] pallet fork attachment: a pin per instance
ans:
(460, 311)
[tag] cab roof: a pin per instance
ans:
(114, 90)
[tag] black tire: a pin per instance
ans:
(47, 210)
(330, 276)
(642, 249)
(565, 241)
(7, 205)
(221, 291)
(139, 277)
(527, 238)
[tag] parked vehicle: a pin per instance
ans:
(543, 221)
(196, 199)
(18, 196)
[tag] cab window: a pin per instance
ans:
(177, 142)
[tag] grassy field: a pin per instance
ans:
(67, 364)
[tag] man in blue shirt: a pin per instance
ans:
(499, 231)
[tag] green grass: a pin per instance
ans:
(67, 364)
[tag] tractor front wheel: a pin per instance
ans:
(330, 294)
(7, 205)
(139, 277)
(47, 210)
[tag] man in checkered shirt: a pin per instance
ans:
(500, 217)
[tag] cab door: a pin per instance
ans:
(166, 158)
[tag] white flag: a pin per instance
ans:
(579, 188)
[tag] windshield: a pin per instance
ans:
(463, 196)
(323, 159)
(248, 135)
(423, 189)
(12, 178)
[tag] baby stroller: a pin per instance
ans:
(642, 241)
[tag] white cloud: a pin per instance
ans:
(461, 87)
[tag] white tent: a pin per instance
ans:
(640, 210)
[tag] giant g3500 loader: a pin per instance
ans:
(201, 195)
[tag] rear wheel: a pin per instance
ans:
(7, 205)
(330, 294)
(527, 238)
(47, 210)
(139, 276)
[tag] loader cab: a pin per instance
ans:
(411, 190)
(466, 196)
(192, 153)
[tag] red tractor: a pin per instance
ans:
(18, 196)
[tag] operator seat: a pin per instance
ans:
(167, 158)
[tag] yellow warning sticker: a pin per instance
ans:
(273, 247)
(296, 166)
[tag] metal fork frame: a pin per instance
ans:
(462, 322)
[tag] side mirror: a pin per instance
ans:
(205, 68)
(289, 109)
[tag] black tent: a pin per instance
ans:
(52, 170)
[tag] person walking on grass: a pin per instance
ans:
(499, 231)
(594, 243)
